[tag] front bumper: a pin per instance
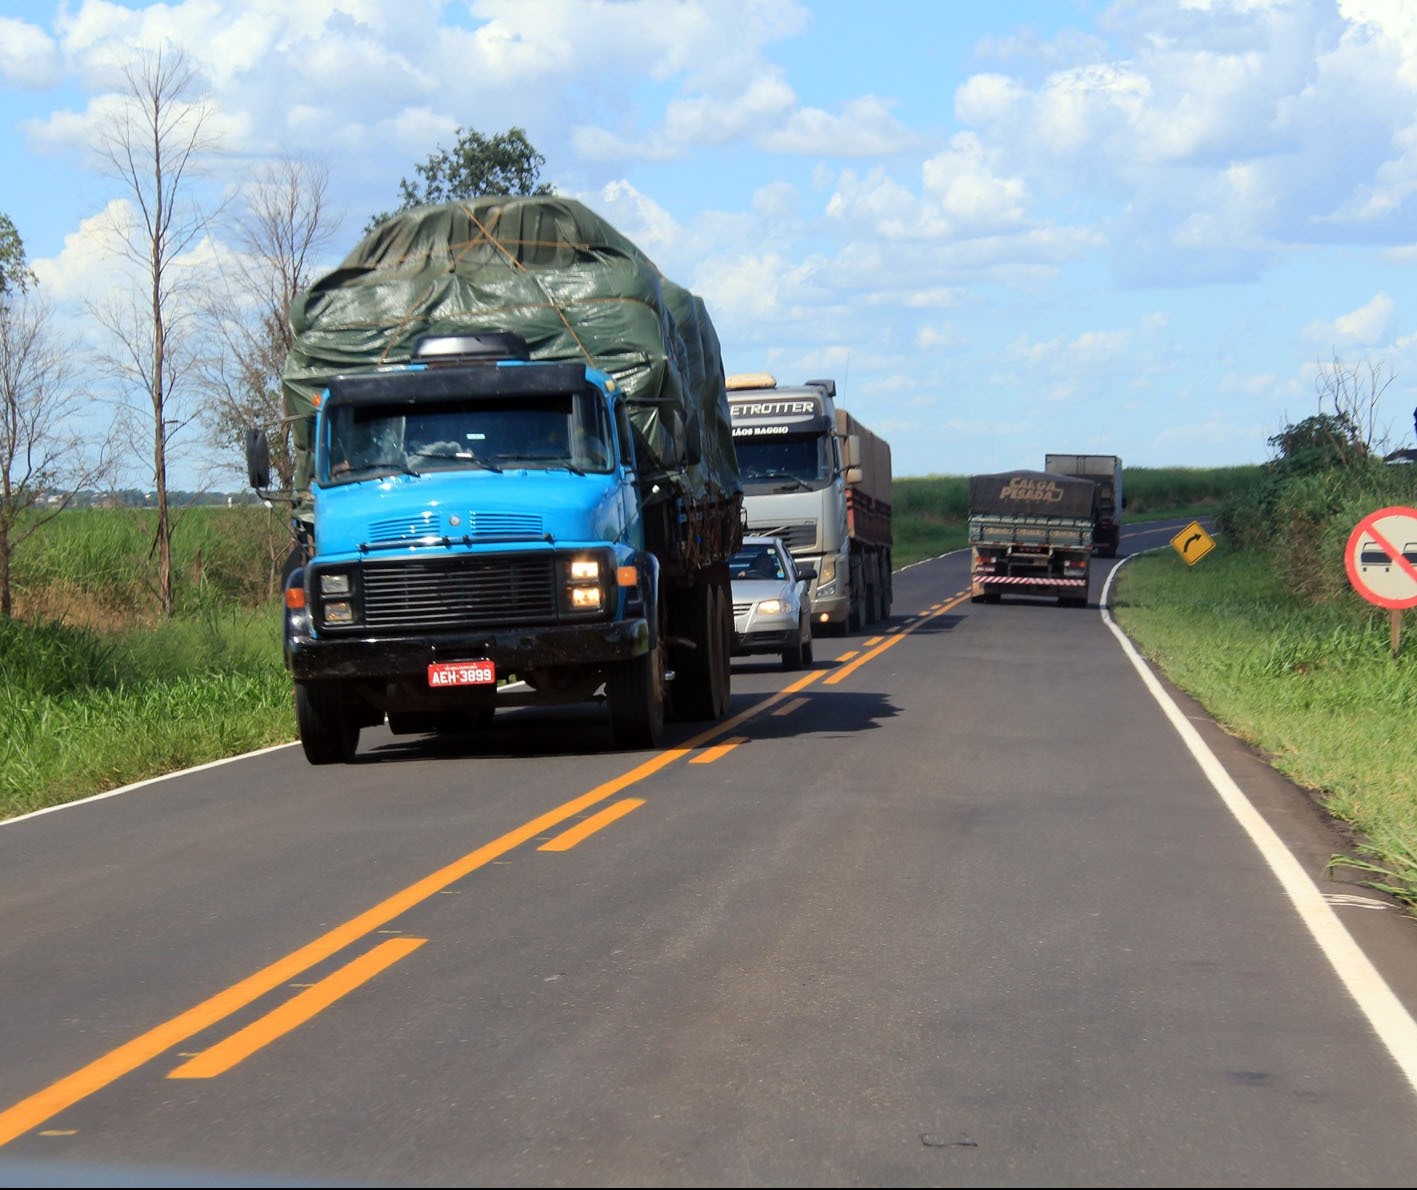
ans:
(512, 650)
(762, 634)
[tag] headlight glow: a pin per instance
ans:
(771, 607)
(585, 599)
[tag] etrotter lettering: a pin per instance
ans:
(779, 408)
(1031, 491)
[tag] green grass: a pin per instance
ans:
(81, 713)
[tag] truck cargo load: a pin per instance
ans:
(555, 273)
(868, 501)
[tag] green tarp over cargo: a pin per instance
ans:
(554, 272)
(1031, 493)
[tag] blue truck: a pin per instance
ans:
(516, 481)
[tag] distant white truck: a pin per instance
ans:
(1106, 472)
(814, 476)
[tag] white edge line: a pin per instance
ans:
(1385, 1012)
(81, 801)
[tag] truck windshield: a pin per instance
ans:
(788, 463)
(554, 431)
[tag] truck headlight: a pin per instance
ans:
(584, 579)
(586, 599)
(337, 598)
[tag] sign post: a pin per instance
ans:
(1381, 559)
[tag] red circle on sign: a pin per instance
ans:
(1381, 557)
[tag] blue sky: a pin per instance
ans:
(1006, 228)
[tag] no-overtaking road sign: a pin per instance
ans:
(1382, 557)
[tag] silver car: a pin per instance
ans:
(772, 607)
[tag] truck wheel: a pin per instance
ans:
(635, 692)
(329, 733)
(701, 675)
(724, 654)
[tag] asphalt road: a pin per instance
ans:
(977, 900)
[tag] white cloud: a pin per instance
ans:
(86, 266)
(932, 338)
(865, 128)
(971, 195)
(28, 56)
(1367, 326)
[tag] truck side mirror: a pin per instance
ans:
(852, 453)
(258, 459)
(853, 476)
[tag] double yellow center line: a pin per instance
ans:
(32, 1112)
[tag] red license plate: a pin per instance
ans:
(462, 673)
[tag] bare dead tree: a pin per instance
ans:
(154, 145)
(45, 459)
(280, 233)
(1354, 393)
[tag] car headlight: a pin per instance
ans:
(772, 607)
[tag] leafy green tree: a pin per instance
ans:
(15, 275)
(506, 163)
(1319, 442)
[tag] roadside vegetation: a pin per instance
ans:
(97, 690)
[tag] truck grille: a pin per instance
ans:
(459, 592)
(800, 537)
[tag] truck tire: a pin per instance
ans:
(723, 593)
(701, 672)
(329, 732)
(635, 692)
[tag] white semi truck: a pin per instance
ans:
(813, 475)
